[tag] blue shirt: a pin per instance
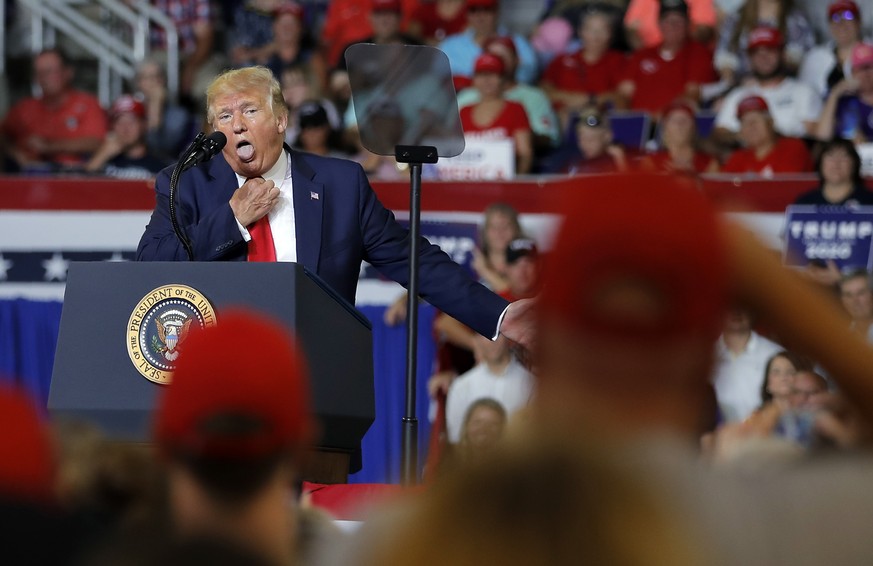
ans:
(462, 51)
(852, 116)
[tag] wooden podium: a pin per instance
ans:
(96, 375)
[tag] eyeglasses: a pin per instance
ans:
(591, 120)
(843, 15)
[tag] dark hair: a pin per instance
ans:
(799, 363)
(861, 272)
(841, 144)
(148, 546)
(231, 479)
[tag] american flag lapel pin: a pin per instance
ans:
(313, 195)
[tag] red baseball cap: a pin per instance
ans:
(680, 105)
(386, 6)
(127, 103)
(247, 367)
(862, 55)
(752, 103)
(489, 63)
(503, 40)
(486, 4)
(765, 36)
(843, 6)
(636, 231)
(27, 463)
(292, 8)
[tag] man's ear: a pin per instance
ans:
(282, 123)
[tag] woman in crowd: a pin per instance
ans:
(765, 152)
(484, 426)
(124, 153)
(588, 76)
(848, 111)
(290, 44)
(829, 63)
(500, 226)
(299, 85)
(778, 384)
(594, 150)
(679, 144)
(839, 173)
(494, 117)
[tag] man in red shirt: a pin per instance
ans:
(765, 152)
(674, 69)
(61, 127)
(346, 22)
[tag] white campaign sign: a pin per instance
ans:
(482, 159)
(865, 150)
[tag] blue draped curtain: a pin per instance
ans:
(381, 444)
(29, 333)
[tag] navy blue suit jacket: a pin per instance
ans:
(339, 223)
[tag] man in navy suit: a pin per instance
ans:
(318, 211)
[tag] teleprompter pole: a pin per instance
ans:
(414, 156)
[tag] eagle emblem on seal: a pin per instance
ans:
(173, 327)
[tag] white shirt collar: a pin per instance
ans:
(276, 173)
(750, 345)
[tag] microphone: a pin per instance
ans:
(204, 150)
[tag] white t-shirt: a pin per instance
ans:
(791, 104)
(817, 65)
(738, 378)
(512, 389)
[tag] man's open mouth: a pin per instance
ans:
(244, 150)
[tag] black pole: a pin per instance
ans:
(409, 473)
(414, 156)
(174, 184)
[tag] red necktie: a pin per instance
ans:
(261, 247)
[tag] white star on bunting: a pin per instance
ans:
(5, 266)
(56, 268)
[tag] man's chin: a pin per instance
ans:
(245, 168)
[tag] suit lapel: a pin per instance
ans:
(220, 170)
(308, 208)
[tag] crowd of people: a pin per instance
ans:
(686, 399)
(652, 422)
(780, 78)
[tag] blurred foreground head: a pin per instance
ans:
(231, 428)
(240, 392)
(633, 298)
(27, 464)
(34, 530)
(537, 502)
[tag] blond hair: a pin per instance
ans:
(257, 78)
(539, 501)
